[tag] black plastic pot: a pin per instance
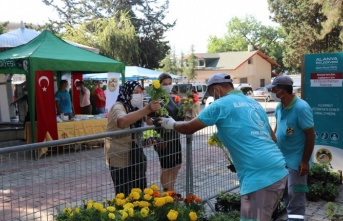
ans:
(232, 168)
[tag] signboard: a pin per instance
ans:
(323, 90)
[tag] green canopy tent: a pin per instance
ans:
(47, 52)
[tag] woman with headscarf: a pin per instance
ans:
(169, 150)
(124, 154)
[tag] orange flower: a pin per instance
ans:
(156, 194)
(171, 193)
(198, 199)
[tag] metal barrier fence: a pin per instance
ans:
(74, 170)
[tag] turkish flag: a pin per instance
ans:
(75, 77)
(45, 106)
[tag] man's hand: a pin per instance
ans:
(154, 106)
(167, 123)
(304, 169)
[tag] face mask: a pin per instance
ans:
(137, 100)
(167, 88)
(274, 96)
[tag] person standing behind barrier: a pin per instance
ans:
(100, 98)
(295, 135)
(244, 129)
(169, 150)
(124, 154)
(85, 102)
(63, 101)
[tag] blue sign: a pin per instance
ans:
(323, 90)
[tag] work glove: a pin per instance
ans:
(167, 123)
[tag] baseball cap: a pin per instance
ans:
(283, 80)
(218, 79)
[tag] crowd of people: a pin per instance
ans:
(242, 125)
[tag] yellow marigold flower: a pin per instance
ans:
(77, 210)
(91, 201)
(148, 191)
(124, 214)
(190, 100)
(135, 203)
(143, 204)
(154, 187)
(193, 216)
(128, 205)
(120, 202)
(147, 197)
(98, 206)
(156, 84)
(131, 212)
(159, 202)
(144, 212)
(67, 210)
(111, 216)
(169, 199)
(71, 214)
(103, 210)
(89, 205)
(211, 142)
(135, 195)
(111, 209)
(120, 196)
(138, 190)
(172, 215)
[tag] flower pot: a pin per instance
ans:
(232, 168)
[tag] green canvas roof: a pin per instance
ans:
(48, 52)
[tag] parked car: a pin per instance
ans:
(245, 88)
(262, 93)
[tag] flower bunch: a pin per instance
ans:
(214, 140)
(186, 106)
(148, 205)
(156, 92)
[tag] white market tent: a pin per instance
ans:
(132, 73)
(23, 35)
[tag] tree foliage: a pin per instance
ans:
(249, 31)
(3, 26)
(170, 64)
(313, 26)
(189, 68)
(147, 17)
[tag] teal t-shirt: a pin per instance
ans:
(65, 103)
(244, 129)
(291, 121)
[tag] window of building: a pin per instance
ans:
(262, 83)
(243, 80)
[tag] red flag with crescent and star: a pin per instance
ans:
(45, 106)
(75, 77)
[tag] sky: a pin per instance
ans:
(196, 20)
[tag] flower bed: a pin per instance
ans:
(147, 205)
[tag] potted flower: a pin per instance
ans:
(186, 109)
(214, 140)
(228, 202)
(330, 192)
(315, 191)
(156, 92)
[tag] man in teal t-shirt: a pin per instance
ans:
(244, 129)
(63, 101)
(295, 137)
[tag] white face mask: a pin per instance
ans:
(137, 100)
(167, 88)
(274, 96)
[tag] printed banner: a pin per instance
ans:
(323, 91)
(45, 106)
(76, 76)
(112, 89)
